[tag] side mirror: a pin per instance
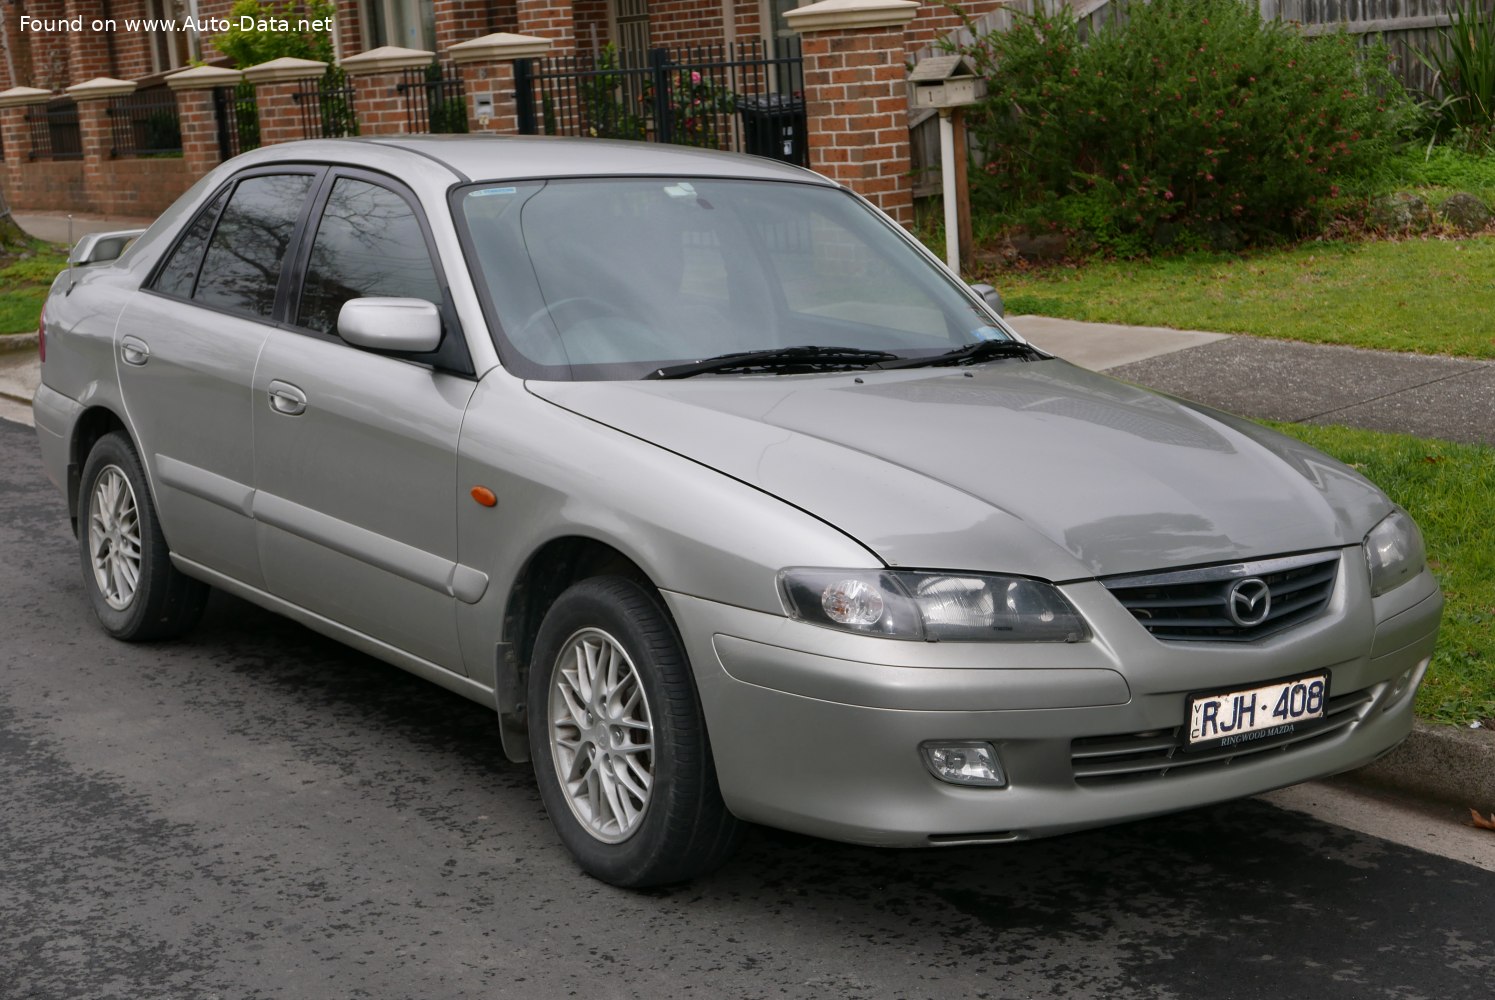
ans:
(992, 298)
(409, 326)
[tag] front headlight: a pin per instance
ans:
(1394, 552)
(935, 607)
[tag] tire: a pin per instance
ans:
(664, 820)
(136, 592)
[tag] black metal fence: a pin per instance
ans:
(326, 106)
(145, 123)
(716, 96)
(435, 99)
(238, 119)
(54, 130)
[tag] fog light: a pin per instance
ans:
(964, 762)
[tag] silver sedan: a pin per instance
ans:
(726, 496)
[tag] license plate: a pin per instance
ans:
(1252, 715)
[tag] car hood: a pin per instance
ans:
(1038, 468)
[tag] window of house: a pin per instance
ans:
(241, 268)
(369, 242)
(410, 24)
(169, 48)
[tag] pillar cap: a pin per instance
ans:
(284, 69)
(387, 59)
(203, 78)
(501, 46)
(16, 97)
(840, 15)
(100, 87)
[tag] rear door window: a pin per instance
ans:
(241, 270)
(179, 274)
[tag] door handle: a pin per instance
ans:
(286, 398)
(134, 351)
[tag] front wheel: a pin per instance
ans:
(134, 589)
(619, 742)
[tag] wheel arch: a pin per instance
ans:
(92, 424)
(554, 566)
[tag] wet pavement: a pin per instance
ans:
(257, 811)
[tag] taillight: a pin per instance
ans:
(41, 335)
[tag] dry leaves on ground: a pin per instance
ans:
(1480, 822)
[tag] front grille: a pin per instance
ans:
(1105, 760)
(1195, 604)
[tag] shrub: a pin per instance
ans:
(1465, 63)
(1184, 116)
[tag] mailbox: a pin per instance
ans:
(946, 82)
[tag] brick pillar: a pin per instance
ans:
(378, 98)
(552, 19)
(194, 100)
(487, 68)
(856, 97)
(276, 84)
(97, 136)
(15, 135)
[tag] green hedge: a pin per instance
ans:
(1184, 118)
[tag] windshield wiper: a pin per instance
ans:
(981, 350)
(806, 358)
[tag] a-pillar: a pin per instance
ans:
(552, 19)
(15, 132)
(856, 97)
(277, 89)
(380, 97)
(487, 68)
(199, 116)
(96, 135)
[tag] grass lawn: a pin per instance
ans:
(1430, 296)
(24, 284)
(1448, 488)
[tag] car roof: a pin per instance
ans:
(499, 157)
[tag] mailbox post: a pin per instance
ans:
(948, 84)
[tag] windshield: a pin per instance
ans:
(616, 278)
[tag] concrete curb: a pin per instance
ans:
(17, 342)
(1444, 763)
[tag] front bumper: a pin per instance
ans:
(817, 731)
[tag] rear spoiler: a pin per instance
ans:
(99, 248)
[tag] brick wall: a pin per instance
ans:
(462, 20)
(45, 60)
(591, 24)
(143, 187)
(934, 21)
(47, 186)
(551, 19)
(90, 53)
(131, 49)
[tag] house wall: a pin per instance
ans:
(591, 24)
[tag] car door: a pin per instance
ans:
(355, 452)
(186, 348)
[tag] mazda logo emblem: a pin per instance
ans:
(1249, 601)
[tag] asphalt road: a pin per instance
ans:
(258, 812)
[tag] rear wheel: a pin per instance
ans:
(135, 590)
(619, 742)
